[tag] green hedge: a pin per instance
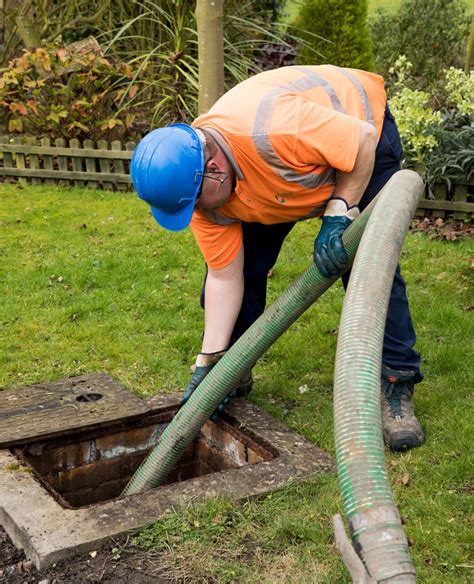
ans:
(334, 31)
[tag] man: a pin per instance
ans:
(283, 146)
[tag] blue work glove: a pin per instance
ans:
(204, 363)
(329, 254)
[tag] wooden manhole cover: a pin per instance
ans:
(45, 409)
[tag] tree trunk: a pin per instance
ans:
(210, 22)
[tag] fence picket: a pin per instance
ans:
(62, 160)
(47, 160)
(7, 156)
(118, 164)
(460, 194)
(104, 164)
(91, 165)
(20, 160)
(77, 162)
(33, 159)
(440, 194)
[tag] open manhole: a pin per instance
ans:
(96, 466)
(65, 458)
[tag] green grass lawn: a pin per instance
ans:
(90, 283)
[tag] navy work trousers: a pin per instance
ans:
(262, 244)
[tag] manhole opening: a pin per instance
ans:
(95, 466)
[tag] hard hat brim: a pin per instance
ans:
(174, 221)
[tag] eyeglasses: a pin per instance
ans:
(220, 180)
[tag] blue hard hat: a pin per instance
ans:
(167, 168)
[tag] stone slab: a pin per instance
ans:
(48, 532)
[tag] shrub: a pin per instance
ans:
(416, 122)
(452, 160)
(431, 33)
(54, 93)
(335, 31)
(438, 144)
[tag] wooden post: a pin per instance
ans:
(105, 164)
(34, 159)
(91, 165)
(119, 166)
(130, 147)
(77, 163)
(7, 157)
(440, 192)
(20, 160)
(62, 160)
(47, 161)
(460, 195)
(210, 24)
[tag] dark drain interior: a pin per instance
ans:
(95, 465)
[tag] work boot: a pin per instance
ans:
(401, 429)
(246, 385)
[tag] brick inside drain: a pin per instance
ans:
(95, 465)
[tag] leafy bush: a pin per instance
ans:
(452, 160)
(335, 31)
(431, 33)
(415, 121)
(438, 143)
(55, 93)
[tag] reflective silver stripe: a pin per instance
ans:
(313, 80)
(360, 90)
(263, 116)
(219, 219)
(226, 149)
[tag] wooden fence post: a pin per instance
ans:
(62, 160)
(47, 160)
(7, 156)
(105, 164)
(34, 159)
(91, 165)
(20, 160)
(119, 167)
(77, 162)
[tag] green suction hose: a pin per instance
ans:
(373, 519)
(241, 357)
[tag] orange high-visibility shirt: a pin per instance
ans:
(288, 131)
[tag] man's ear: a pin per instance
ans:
(212, 164)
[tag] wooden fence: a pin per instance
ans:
(456, 203)
(104, 165)
(93, 165)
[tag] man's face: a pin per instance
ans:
(217, 183)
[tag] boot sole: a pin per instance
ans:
(404, 441)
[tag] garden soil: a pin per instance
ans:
(117, 562)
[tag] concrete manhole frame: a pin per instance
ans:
(47, 532)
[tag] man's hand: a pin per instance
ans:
(204, 363)
(329, 254)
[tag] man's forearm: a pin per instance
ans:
(223, 299)
(350, 186)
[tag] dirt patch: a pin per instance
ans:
(118, 561)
